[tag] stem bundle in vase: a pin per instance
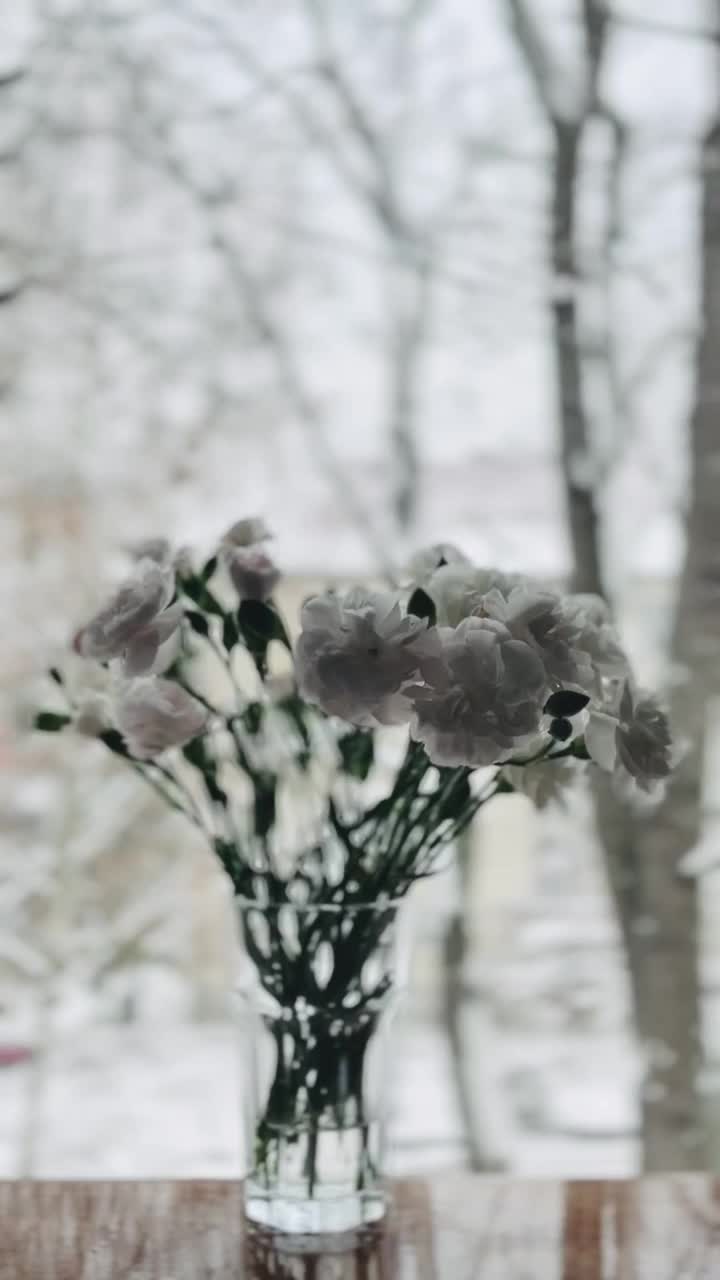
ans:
(480, 682)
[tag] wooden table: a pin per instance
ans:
(453, 1227)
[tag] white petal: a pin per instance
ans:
(600, 739)
(168, 622)
(141, 652)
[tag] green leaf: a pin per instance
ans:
(231, 635)
(459, 793)
(115, 742)
(252, 717)
(422, 606)
(198, 622)
(264, 805)
(259, 623)
(215, 791)
(195, 590)
(209, 568)
(561, 729)
(566, 702)
(196, 754)
(294, 709)
(174, 671)
(357, 753)
(229, 857)
(50, 721)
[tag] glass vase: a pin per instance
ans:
(317, 989)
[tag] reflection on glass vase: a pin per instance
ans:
(318, 985)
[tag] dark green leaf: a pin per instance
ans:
(196, 590)
(196, 754)
(252, 717)
(262, 620)
(55, 675)
(174, 671)
(579, 750)
(260, 623)
(422, 606)
(231, 634)
(357, 752)
(209, 568)
(504, 787)
(198, 622)
(561, 729)
(566, 702)
(459, 793)
(264, 803)
(50, 721)
(115, 742)
(230, 859)
(294, 708)
(215, 791)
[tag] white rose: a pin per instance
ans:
(491, 704)
(540, 619)
(135, 621)
(591, 606)
(247, 532)
(157, 549)
(598, 637)
(357, 653)
(644, 743)
(254, 575)
(154, 714)
(636, 744)
(426, 562)
(458, 590)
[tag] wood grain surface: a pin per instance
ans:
(453, 1227)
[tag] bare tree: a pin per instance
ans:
(657, 909)
(665, 957)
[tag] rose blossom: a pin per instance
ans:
(636, 744)
(357, 653)
(541, 620)
(458, 590)
(426, 562)
(598, 637)
(158, 549)
(643, 738)
(492, 702)
(247, 532)
(135, 621)
(154, 714)
(254, 574)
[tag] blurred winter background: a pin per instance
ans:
(384, 272)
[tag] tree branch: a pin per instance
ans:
(538, 63)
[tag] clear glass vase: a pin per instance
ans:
(317, 989)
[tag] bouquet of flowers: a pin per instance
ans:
(276, 749)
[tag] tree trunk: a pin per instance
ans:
(657, 909)
(668, 995)
(582, 515)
